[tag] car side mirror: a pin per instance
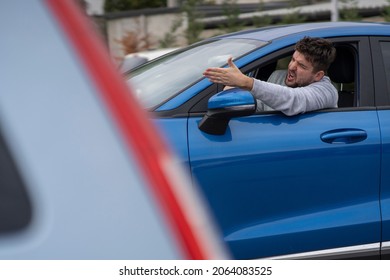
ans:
(226, 105)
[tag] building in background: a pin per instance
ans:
(150, 28)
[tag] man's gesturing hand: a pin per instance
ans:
(230, 76)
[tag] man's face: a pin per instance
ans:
(301, 72)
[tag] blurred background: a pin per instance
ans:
(132, 26)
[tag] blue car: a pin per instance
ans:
(310, 186)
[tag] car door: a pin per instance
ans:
(306, 184)
(381, 60)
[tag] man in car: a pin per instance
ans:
(306, 88)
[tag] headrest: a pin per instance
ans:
(342, 70)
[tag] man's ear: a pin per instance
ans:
(319, 75)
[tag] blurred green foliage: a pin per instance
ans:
(386, 12)
(350, 11)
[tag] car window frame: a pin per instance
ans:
(365, 77)
(364, 87)
(382, 90)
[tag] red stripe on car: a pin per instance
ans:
(139, 133)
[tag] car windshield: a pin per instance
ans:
(161, 79)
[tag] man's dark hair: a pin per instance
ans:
(320, 52)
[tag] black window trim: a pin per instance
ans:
(382, 92)
(15, 204)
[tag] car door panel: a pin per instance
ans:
(175, 132)
(384, 117)
(277, 188)
(381, 67)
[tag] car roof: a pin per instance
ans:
(320, 29)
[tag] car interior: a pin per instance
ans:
(342, 74)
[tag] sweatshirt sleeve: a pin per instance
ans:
(293, 101)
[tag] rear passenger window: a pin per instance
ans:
(385, 48)
(342, 73)
(15, 207)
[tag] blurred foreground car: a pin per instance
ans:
(314, 185)
(83, 173)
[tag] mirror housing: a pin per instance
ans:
(226, 105)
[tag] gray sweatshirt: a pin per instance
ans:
(293, 101)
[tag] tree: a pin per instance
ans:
(170, 38)
(232, 13)
(133, 42)
(125, 5)
(264, 20)
(386, 12)
(195, 27)
(350, 11)
(294, 16)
